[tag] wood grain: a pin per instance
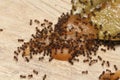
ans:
(14, 20)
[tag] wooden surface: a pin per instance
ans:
(14, 20)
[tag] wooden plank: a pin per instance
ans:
(14, 20)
